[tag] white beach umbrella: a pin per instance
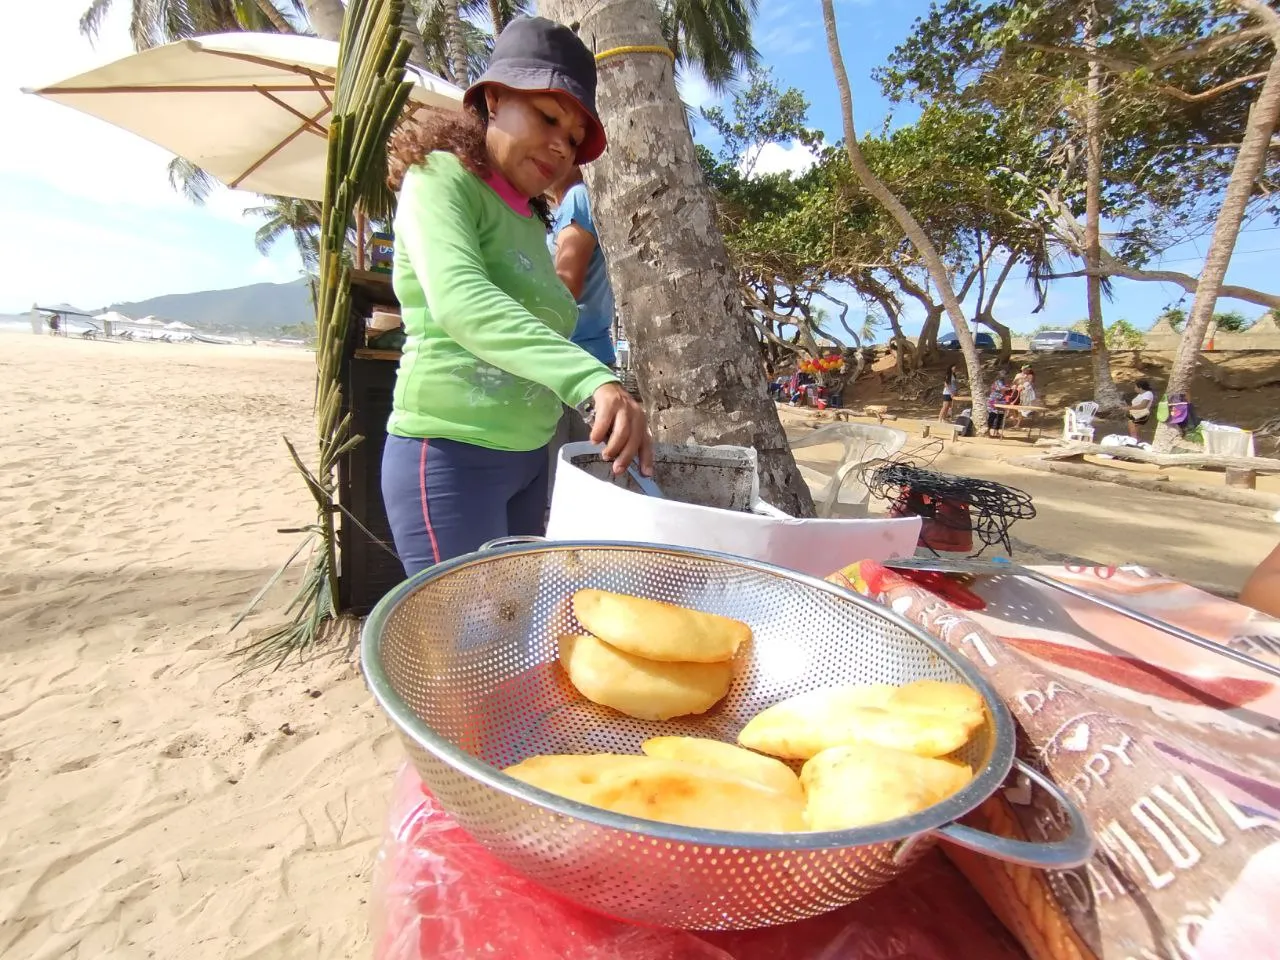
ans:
(112, 316)
(178, 325)
(252, 109)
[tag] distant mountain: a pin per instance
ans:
(261, 309)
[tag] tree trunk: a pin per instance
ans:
(277, 19)
(409, 31)
(986, 309)
(1263, 117)
(904, 353)
(1004, 333)
(325, 17)
(915, 233)
(927, 342)
(456, 44)
(695, 354)
(1105, 393)
(495, 14)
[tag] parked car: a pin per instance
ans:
(984, 341)
(1048, 341)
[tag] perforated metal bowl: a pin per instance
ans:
(463, 659)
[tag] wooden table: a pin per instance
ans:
(1023, 409)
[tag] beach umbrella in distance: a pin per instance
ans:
(112, 316)
(251, 109)
(178, 325)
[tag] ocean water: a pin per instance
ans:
(23, 325)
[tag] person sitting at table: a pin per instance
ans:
(1140, 408)
(1262, 589)
(1025, 396)
(999, 395)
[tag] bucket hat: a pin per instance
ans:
(537, 55)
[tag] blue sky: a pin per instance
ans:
(90, 217)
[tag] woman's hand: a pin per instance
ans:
(621, 425)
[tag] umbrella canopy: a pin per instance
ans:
(252, 109)
(112, 316)
(178, 325)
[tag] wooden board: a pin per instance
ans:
(1189, 460)
(367, 353)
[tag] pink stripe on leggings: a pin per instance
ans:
(422, 492)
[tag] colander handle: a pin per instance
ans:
(507, 542)
(1072, 851)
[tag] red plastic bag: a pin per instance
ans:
(439, 895)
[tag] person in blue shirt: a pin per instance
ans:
(579, 260)
(575, 247)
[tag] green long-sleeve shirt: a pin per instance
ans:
(486, 359)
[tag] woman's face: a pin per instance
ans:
(533, 138)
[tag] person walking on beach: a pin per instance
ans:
(579, 259)
(950, 388)
(487, 365)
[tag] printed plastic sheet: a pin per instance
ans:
(439, 895)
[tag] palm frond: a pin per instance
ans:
(368, 100)
(191, 181)
(91, 19)
(714, 35)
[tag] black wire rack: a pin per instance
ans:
(984, 507)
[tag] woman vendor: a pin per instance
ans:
(487, 362)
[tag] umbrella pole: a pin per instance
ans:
(360, 240)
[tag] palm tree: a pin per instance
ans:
(154, 24)
(288, 216)
(713, 35)
(456, 48)
(697, 359)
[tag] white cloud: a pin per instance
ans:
(695, 91)
(790, 39)
(795, 158)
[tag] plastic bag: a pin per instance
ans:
(439, 895)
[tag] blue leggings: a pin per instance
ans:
(444, 498)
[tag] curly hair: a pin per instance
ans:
(462, 134)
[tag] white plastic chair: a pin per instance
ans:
(1085, 412)
(862, 443)
(1073, 429)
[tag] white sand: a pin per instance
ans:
(150, 805)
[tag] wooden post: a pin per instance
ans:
(360, 237)
(1242, 479)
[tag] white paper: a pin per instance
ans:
(585, 508)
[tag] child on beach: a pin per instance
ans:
(950, 387)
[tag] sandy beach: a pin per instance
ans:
(154, 804)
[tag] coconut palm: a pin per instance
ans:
(291, 217)
(154, 24)
(712, 35)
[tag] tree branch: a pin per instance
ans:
(1192, 51)
(1265, 14)
(1114, 268)
(995, 290)
(1212, 91)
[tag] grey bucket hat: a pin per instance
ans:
(536, 55)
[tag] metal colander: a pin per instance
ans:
(463, 659)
